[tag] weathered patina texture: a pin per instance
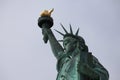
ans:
(74, 61)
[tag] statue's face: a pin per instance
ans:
(69, 43)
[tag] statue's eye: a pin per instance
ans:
(66, 42)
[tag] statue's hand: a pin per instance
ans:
(45, 36)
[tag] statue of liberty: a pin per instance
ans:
(74, 61)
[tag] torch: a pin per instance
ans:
(45, 21)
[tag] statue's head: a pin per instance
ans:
(72, 41)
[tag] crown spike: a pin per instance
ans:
(59, 32)
(64, 29)
(77, 32)
(71, 29)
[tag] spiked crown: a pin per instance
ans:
(70, 34)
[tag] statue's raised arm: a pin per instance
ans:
(45, 22)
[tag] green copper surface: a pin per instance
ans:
(74, 61)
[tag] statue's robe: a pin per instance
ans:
(68, 67)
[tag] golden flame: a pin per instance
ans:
(46, 12)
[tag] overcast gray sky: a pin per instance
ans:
(23, 54)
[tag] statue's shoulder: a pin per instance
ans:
(94, 58)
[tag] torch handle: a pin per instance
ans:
(45, 22)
